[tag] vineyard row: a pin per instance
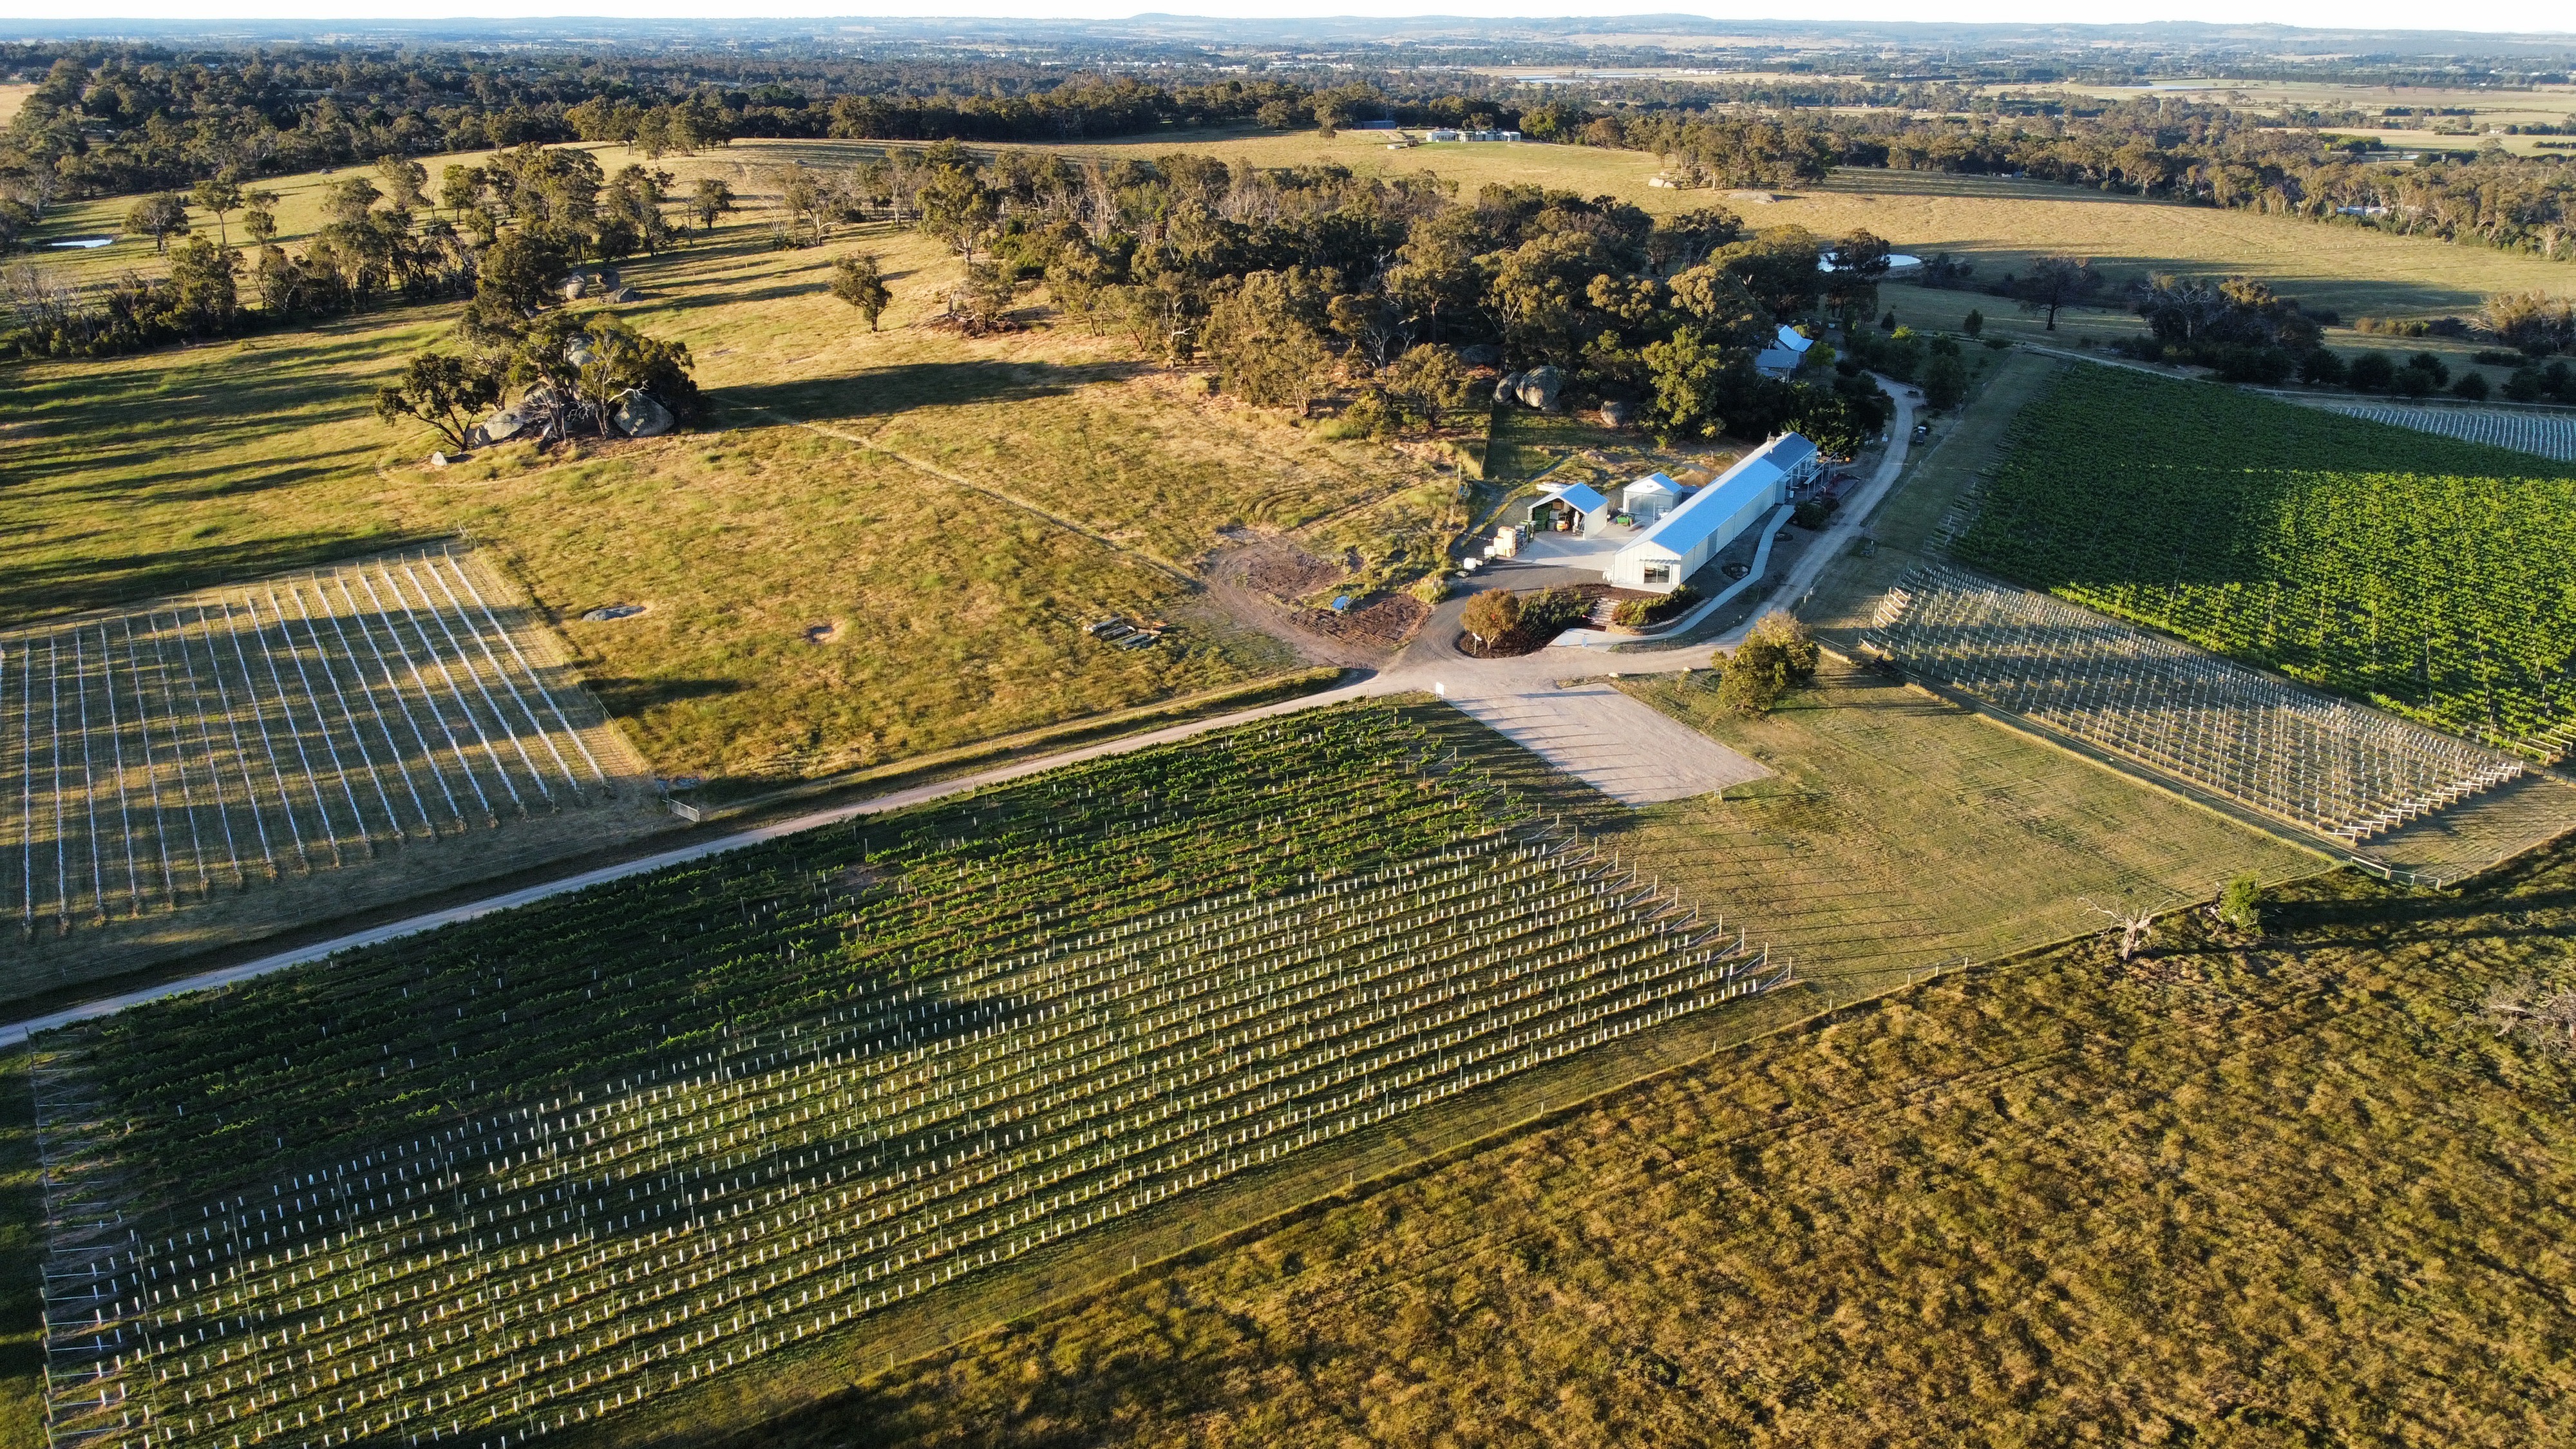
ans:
(2260, 741)
(574, 1262)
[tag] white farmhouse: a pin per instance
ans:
(1686, 538)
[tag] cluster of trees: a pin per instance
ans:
(108, 120)
(119, 119)
(569, 371)
(2532, 322)
(115, 119)
(1299, 281)
(531, 212)
(2159, 147)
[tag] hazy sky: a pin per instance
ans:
(2523, 15)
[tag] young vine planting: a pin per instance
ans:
(300, 723)
(2434, 578)
(536, 1169)
(2251, 737)
(2549, 434)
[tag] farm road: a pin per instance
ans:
(1498, 691)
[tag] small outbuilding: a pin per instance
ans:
(1577, 507)
(1683, 540)
(1788, 348)
(1650, 498)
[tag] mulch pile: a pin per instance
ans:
(1387, 620)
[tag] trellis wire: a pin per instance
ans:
(190, 679)
(2261, 741)
(2550, 435)
(569, 1258)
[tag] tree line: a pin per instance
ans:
(391, 234)
(2163, 148)
(116, 119)
(1295, 282)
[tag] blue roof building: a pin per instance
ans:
(1685, 539)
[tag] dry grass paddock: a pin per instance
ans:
(959, 508)
(2263, 1190)
(198, 771)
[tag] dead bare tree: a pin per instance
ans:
(2134, 925)
(2547, 1016)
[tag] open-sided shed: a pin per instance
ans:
(1591, 511)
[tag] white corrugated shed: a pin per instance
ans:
(1684, 540)
(1650, 497)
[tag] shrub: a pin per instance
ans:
(2371, 372)
(2240, 903)
(1493, 616)
(2266, 365)
(1502, 619)
(2472, 386)
(1643, 613)
(1810, 513)
(1778, 655)
(1546, 612)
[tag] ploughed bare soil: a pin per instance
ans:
(1384, 622)
(1260, 579)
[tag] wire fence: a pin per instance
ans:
(2550, 435)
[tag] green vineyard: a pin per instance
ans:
(2433, 577)
(525, 1172)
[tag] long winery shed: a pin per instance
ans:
(1684, 540)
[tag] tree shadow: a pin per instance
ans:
(884, 391)
(31, 592)
(626, 696)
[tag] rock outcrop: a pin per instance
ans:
(639, 416)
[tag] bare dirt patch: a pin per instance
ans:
(1385, 622)
(1275, 566)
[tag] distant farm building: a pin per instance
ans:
(1782, 357)
(1445, 135)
